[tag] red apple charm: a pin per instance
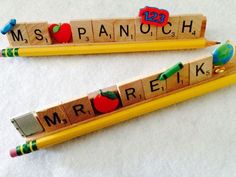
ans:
(106, 101)
(61, 33)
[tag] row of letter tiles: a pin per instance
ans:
(110, 30)
(128, 93)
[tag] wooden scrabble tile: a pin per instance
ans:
(190, 26)
(144, 32)
(103, 30)
(105, 100)
(53, 118)
(78, 110)
(27, 124)
(152, 86)
(203, 28)
(179, 79)
(201, 69)
(38, 33)
(18, 36)
(170, 30)
(131, 92)
(124, 30)
(82, 31)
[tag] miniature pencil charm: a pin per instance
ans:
(8, 27)
(171, 71)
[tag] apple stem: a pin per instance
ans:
(101, 92)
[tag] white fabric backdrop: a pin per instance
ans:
(194, 138)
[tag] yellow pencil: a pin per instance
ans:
(123, 115)
(113, 47)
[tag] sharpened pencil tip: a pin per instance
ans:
(210, 43)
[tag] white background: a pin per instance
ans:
(194, 138)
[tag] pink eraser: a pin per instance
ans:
(13, 153)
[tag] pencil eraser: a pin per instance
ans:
(13, 153)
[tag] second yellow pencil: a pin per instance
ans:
(123, 115)
(99, 48)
